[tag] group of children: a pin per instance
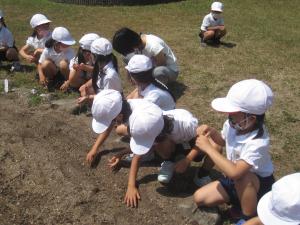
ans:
(149, 117)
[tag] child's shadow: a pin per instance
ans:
(177, 89)
(24, 68)
(222, 43)
(99, 155)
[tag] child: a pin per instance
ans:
(81, 66)
(105, 74)
(8, 50)
(110, 111)
(280, 206)
(248, 168)
(35, 44)
(213, 28)
(126, 42)
(140, 71)
(54, 62)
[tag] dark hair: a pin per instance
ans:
(167, 129)
(125, 40)
(147, 77)
(34, 33)
(260, 119)
(101, 59)
(3, 22)
(126, 110)
(50, 43)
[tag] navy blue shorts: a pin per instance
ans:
(264, 187)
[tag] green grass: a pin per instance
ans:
(267, 38)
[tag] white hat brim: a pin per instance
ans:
(265, 214)
(43, 22)
(70, 42)
(99, 127)
(223, 105)
(140, 147)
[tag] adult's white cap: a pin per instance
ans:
(217, 6)
(145, 123)
(101, 46)
(61, 34)
(106, 106)
(281, 206)
(38, 19)
(1, 14)
(86, 40)
(248, 96)
(139, 63)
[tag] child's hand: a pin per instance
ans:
(203, 143)
(76, 67)
(205, 130)
(43, 81)
(182, 165)
(90, 156)
(30, 58)
(113, 162)
(64, 87)
(82, 99)
(81, 66)
(132, 196)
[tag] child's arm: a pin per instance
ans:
(182, 165)
(86, 67)
(115, 160)
(99, 141)
(216, 27)
(132, 195)
(24, 53)
(42, 77)
(232, 170)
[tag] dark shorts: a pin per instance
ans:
(3, 54)
(264, 187)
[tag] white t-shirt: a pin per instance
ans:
(36, 43)
(154, 45)
(6, 37)
(185, 125)
(160, 97)
(83, 74)
(51, 54)
(255, 152)
(109, 79)
(210, 21)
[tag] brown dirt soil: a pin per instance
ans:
(44, 180)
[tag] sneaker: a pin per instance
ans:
(201, 179)
(166, 171)
(203, 43)
(15, 67)
(145, 158)
(240, 222)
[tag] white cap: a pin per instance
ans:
(217, 6)
(139, 63)
(101, 46)
(38, 19)
(145, 123)
(62, 35)
(281, 206)
(249, 96)
(1, 14)
(107, 105)
(87, 40)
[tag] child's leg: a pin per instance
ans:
(208, 35)
(49, 69)
(122, 130)
(247, 188)
(12, 54)
(210, 195)
(75, 79)
(64, 68)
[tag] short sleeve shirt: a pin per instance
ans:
(6, 37)
(84, 74)
(36, 43)
(109, 79)
(185, 125)
(154, 45)
(51, 54)
(255, 152)
(210, 21)
(160, 97)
